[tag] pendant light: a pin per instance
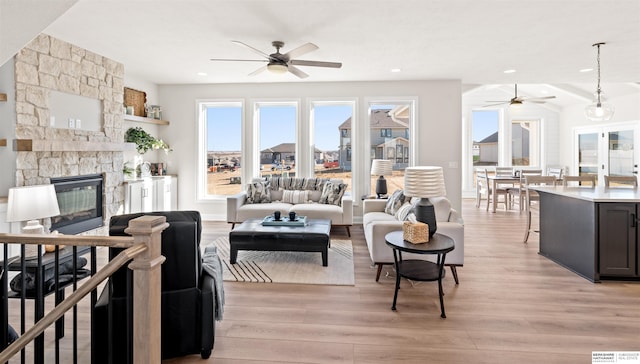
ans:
(599, 110)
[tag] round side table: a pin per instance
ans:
(416, 269)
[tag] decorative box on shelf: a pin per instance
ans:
(284, 221)
(415, 232)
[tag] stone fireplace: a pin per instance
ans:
(47, 64)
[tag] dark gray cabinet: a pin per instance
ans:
(618, 240)
(593, 233)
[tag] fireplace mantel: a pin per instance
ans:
(35, 145)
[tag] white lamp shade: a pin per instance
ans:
(32, 203)
(381, 167)
(424, 181)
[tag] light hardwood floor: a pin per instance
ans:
(511, 306)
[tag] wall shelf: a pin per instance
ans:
(3, 96)
(34, 145)
(142, 119)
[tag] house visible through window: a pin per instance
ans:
(277, 142)
(392, 142)
(331, 135)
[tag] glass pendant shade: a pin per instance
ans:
(599, 110)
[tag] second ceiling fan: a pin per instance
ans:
(519, 100)
(282, 63)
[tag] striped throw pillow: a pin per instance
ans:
(295, 196)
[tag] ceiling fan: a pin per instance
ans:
(518, 100)
(282, 63)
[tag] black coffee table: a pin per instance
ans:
(252, 235)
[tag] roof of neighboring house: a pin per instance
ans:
(380, 119)
(285, 148)
(493, 138)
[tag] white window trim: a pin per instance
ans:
(201, 145)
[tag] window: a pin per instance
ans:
(385, 133)
(394, 120)
(220, 156)
(485, 138)
(525, 144)
(331, 139)
(277, 143)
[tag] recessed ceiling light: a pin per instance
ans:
(201, 73)
(586, 70)
(510, 71)
(395, 70)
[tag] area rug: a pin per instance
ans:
(289, 267)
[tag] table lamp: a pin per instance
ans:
(381, 167)
(30, 204)
(425, 182)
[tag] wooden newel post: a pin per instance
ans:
(146, 288)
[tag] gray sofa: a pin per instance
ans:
(241, 206)
(377, 223)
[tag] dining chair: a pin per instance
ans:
(555, 171)
(504, 171)
(620, 181)
(516, 193)
(587, 181)
(483, 187)
(532, 196)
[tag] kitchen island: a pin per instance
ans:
(591, 231)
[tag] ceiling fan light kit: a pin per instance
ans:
(277, 68)
(599, 110)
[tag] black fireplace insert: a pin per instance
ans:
(80, 202)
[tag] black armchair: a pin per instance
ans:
(188, 296)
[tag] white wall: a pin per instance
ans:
(438, 136)
(627, 109)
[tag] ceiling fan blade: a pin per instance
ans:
(251, 48)
(303, 49)
(297, 71)
(540, 98)
(534, 101)
(500, 103)
(259, 70)
(239, 60)
(299, 62)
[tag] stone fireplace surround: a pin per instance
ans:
(47, 64)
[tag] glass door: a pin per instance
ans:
(588, 154)
(608, 150)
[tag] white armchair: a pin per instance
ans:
(377, 224)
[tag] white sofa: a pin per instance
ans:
(377, 224)
(239, 210)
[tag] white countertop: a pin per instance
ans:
(598, 194)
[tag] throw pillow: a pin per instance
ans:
(258, 192)
(332, 193)
(404, 211)
(295, 197)
(394, 202)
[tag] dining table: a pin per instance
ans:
(495, 181)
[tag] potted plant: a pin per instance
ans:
(145, 141)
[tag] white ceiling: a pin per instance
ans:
(546, 42)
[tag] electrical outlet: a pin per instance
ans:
(78, 124)
(453, 164)
(52, 121)
(72, 123)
